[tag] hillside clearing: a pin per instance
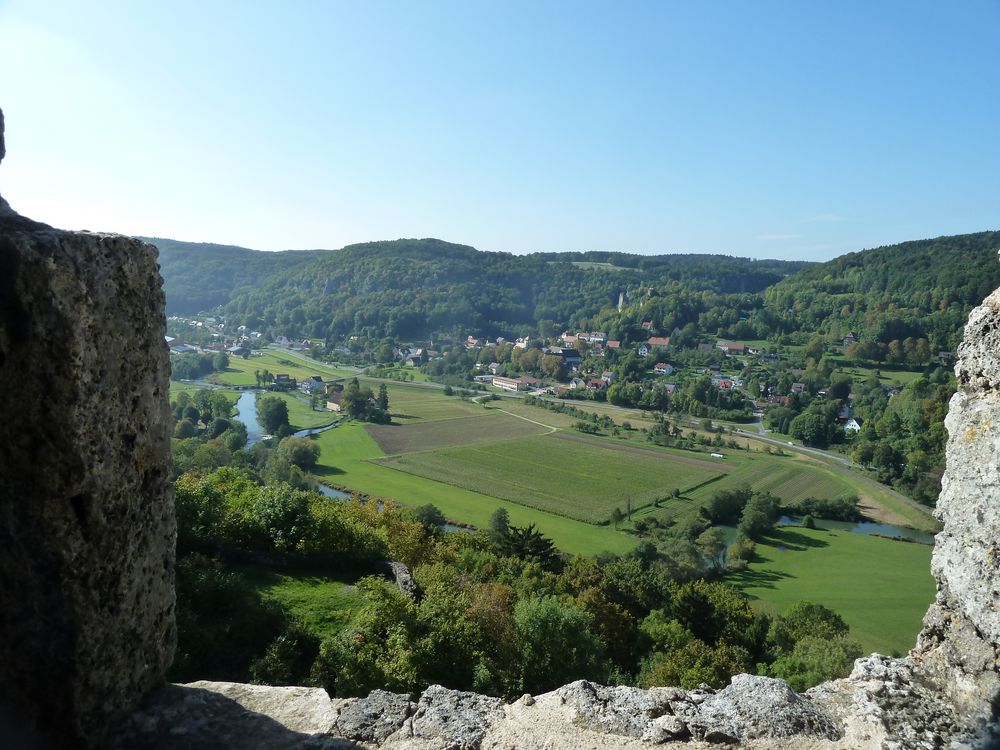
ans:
(880, 587)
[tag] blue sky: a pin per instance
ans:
(764, 129)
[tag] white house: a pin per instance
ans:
(853, 424)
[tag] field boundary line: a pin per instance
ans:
(549, 427)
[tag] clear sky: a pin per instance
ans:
(766, 129)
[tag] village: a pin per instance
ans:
(749, 377)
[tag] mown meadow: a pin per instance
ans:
(879, 586)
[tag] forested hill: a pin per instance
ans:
(415, 289)
(201, 276)
(923, 288)
(411, 289)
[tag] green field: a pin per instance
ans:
(323, 603)
(345, 461)
(880, 587)
(888, 374)
(783, 477)
(579, 478)
(411, 403)
(178, 387)
(535, 413)
(241, 371)
(423, 436)
(635, 417)
(300, 412)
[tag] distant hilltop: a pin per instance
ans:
(417, 289)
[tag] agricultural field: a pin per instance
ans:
(469, 459)
(346, 461)
(577, 477)
(784, 477)
(518, 408)
(409, 404)
(423, 436)
(635, 417)
(880, 587)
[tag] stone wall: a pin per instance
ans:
(86, 510)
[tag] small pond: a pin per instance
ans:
(331, 492)
(869, 528)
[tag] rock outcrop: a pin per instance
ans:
(957, 651)
(10, 219)
(86, 510)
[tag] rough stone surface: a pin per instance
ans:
(374, 718)
(86, 511)
(957, 649)
(458, 718)
(403, 578)
(10, 219)
(4, 207)
(751, 707)
(209, 716)
(618, 710)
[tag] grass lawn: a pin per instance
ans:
(178, 387)
(888, 374)
(324, 603)
(300, 412)
(412, 373)
(345, 460)
(488, 426)
(241, 371)
(581, 478)
(412, 403)
(880, 587)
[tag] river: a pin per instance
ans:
(246, 412)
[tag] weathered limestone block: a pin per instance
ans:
(751, 707)
(86, 511)
(215, 715)
(9, 219)
(373, 718)
(456, 718)
(958, 648)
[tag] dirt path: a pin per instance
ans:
(549, 427)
